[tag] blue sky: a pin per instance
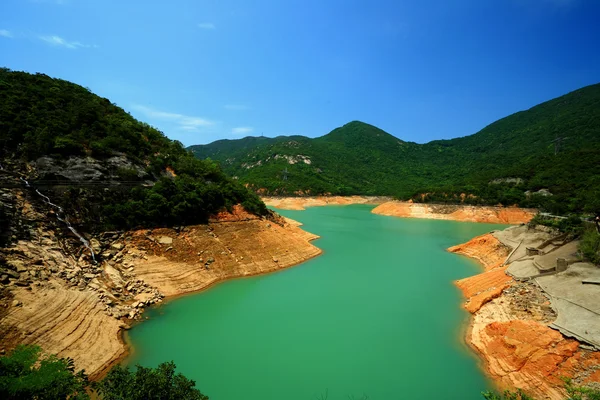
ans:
(206, 70)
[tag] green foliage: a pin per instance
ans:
(148, 384)
(42, 116)
(358, 158)
(574, 393)
(127, 174)
(581, 393)
(26, 374)
(506, 395)
(573, 224)
(183, 200)
(589, 246)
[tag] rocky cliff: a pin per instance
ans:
(494, 215)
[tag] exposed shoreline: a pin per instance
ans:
(123, 335)
(407, 209)
(456, 212)
(509, 325)
(300, 203)
(206, 285)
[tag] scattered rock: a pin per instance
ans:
(165, 240)
(95, 244)
(16, 303)
(11, 274)
(17, 265)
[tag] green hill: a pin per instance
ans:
(73, 130)
(358, 158)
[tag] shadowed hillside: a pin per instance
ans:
(53, 130)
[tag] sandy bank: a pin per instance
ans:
(510, 322)
(79, 310)
(300, 203)
(494, 215)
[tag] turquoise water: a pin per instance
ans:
(376, 314)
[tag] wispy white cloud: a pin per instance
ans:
(242, 130)
(58, 41)
(184, 122)
(207, 25)
(5, 33)
(236, 107)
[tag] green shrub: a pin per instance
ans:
(159, 383)
(506, 395)
(28, 374)
(590, 245)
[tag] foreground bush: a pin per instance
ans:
(28, 374)
(590, 245)
(574, 393)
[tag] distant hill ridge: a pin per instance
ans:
(359, 158)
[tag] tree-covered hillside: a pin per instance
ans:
(554, 146)
(42, 116)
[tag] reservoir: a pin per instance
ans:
(375, 315)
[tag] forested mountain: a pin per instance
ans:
(554, 146)
(62, 131)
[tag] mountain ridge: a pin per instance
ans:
(358, 158)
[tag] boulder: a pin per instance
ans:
(11, 274)
(95, 245)
(73, 168)
(114, 275)
(165, 240)
(17, 265)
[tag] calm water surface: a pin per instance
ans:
(376, 314)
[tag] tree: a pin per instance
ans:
(148, 384)
(28, 374)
